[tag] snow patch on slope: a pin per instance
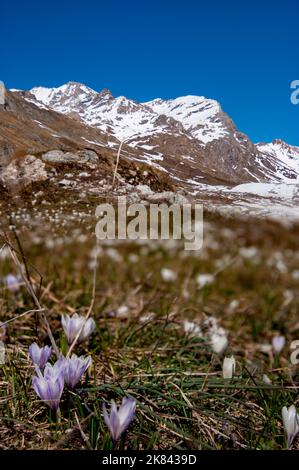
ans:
(127, 120)
(281, 190)
(196, 113)
(283, 153)
(159, 125)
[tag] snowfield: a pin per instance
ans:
(282, 190)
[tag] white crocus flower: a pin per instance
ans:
(290, 419)
(228, 368)
(120, 418)
(72, 326)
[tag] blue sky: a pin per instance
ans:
(244, 54)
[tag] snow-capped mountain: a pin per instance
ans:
(286, 154)
(198, 115)
(190, 137)
(125, 119)
(128, 120)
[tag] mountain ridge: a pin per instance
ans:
(194, 128)
(44, 149)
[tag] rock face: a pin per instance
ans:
(282, 152)
(21, 173)
(87, 158)
(55, 156)
(26, 128)
(190, 137)
(189, 140)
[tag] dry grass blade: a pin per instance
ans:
(21, 315)
(117, 163)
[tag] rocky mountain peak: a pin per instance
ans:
(184, 135)
(105, 93)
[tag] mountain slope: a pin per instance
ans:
(198, 115)
(26, 127)
(70, 152)
(190, 137)
(38, 145)
(282, 152)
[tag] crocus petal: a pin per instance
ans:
(119, 420)
(114, 421)
(12, 282)
(39, 356)
(74, 368)
(49, 386)
(72, 326)
(278, 343)
(290, 420)
(228, 368)
(106, 416)
(40, 386)
(88, 329)
(126, 412)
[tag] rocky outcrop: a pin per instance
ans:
(20, 173)
(84, 157)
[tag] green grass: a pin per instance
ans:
(182, 400)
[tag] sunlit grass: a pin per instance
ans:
(182, 400)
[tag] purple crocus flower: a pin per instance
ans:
(72, 326)
(119, 419)
(73, 369)
(278, 343)
(39, 356)
(12, 282)
(49, 386)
